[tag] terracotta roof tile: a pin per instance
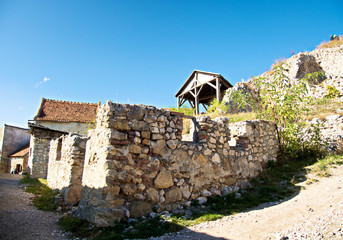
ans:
(21, 152)
(65, 111)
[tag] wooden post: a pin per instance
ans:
(178, 101)
(196, 101)
(218, 89)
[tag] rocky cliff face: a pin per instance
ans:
(328, 60)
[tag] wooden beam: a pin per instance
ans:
(178, 102)
(218, 89)
(204, 106)
(212, 85)
(226, 84)
(199, 90)
(196, 103)
(191, 103)
(182, 101)
(192, 93)
(208, 97)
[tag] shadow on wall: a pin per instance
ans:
(208, 211)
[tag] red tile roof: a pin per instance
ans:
(21, 152)
(64, 111)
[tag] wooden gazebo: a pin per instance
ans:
(201, 88)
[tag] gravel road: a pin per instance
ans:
(315, 213)
(19, 219)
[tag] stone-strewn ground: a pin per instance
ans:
(316, 213)
(19, 219)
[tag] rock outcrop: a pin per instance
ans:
(327, 60)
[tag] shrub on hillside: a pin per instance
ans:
(284, 103)
(332, 92)
(218, 107)
(315, 77)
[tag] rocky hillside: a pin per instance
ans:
(327, 60)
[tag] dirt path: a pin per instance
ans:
(316, 213)
(19, 219)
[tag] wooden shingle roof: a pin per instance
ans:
(65, 111)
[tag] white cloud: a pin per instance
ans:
(45, 79)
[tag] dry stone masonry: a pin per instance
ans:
(38, 160)
(331, 130)
(66, 159)
(39, 151)
(136, 162)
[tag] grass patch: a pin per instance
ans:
(76, 226)
(321, 168)
(44, 196)
(321, 108)
(234, 117)
(140, 229)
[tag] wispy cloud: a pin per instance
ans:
(45, 79)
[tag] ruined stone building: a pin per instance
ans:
(54, 119)
(12, 139)
(135, 161)
(19, 160)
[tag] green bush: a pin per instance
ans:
(315, 77)
(332, 92)
(218, 107)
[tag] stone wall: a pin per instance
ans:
(136, 161)
(39, 151)
(19, 160)
(38, 160)
(65, 168)
(331, 130)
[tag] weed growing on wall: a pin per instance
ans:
(285, 103)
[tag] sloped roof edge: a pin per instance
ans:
(203, 72)
(21, 152)
(66, 111)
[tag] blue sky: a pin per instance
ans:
(142, 51)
